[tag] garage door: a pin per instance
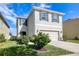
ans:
(53, 35)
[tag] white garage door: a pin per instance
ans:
(52, 35)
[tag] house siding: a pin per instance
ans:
(48, 25)
(20, 28)
(4, 30)
(71, 29)
(49, 22)
(31, 24)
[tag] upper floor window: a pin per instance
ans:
(55, 18)
(44, 16)
(21, 21)
(25, 23)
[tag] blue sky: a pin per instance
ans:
(11, 11)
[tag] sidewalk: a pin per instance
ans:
(76, 54)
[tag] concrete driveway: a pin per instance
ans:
(73, 47)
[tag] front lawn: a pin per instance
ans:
(73, 41)
(53, 51)
(8, 44)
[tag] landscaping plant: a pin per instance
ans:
(18, 51)
(23, 40)
(2, 38)
(13, 38)
(40, 40)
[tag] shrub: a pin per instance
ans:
(13, 38)
(23, 40)
(18, 51)
(40, 40)
(65, 38)
(76, 38)
(2, 38)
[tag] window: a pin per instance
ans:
(44, 16)
(25, 22)
(55, 18)
(21, 21)
(0, 25)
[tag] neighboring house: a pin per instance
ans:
(41, 20)
(4, 27)
(71, 29)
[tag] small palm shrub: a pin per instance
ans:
(2, 38)
(18, 51)
(23, 40)
(40, 40)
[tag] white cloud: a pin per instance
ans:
(13, 19)
(42, 5)
(3, 10)
(12, 12)
(8, 13)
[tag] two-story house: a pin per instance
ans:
(41, 20)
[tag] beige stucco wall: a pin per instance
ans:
(71, 29)
(4, 30)
(48, 25)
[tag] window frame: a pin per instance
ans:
(21, 21)
(55, 20)
(45, 15)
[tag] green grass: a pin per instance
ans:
(73, 41)
(53, 51)
(7, 44)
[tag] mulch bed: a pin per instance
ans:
(42, 49)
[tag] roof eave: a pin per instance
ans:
(50, 11)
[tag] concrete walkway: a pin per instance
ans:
(73, 47)
(75, 54)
